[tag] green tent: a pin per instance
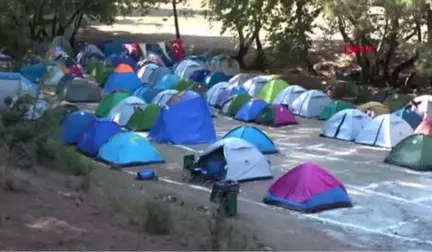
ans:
(413, 152)
(110, 101)
(397, 101)
(198, 88)
(182, 85)
(98, 70)
(271, 89)
(231, 107)
(333, 108)
(351, 92)
(144, 118)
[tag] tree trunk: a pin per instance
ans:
(177, 29)
(260, 57)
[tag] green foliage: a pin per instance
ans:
(32, 143)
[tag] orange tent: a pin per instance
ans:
(425, 127)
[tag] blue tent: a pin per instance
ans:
(199, 59)
(18, 77)
(186, 122)
(33, 73)
(200, 75)
(157, 75)
(121, 59)
(123, 78)
(129, 148)
(214, 78)
(113, 46)
(73, 125)
(98, 132)
(254, 136)
(147, 93)
(411, 117)
(250, 110)
(167, 81)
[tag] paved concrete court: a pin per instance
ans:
(392, 205)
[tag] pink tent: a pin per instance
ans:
(276, 115)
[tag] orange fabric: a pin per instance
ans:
(123, 68)
(425, 127)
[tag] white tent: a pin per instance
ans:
(145, 71)
(253, 86)
(424, 107)
(224, 64)
(215, 91)
(385, 131)
(310, 103)
(14, 85)
(243, 160)
(345, 124)
(226, 106)
(240, 79)
(288, 95)
(122, 112)
(162, 98)
(186, 68)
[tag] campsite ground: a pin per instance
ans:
(109, 210)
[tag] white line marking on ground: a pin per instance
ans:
(186, 148)
(313, 217)
(315, 146)
(376, 185)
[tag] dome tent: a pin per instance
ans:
(186, 68)
(157, 75)
(182, 96)
(397, 101)
(110, 101)
(224, 64)
(145, 71)
(333, 108)
(80, 90)
(122, 112)
(310, 103)
(425, 127)
(214, 78)
(213, 93)
(374, 109)
(167, 81)
(288, 95)
(124, 78)
(410, 116)
(234, 159)
(413, 152)
(143, 118)
(200, 75)
(98, 132)
(33, 73)
(250, 110)
(422, 105)
(198, 88)
(127, 149)
(99, 71)
(269, 92)
(14, 85)
(232, 105)
(185, 122)
(345, 124)
(228, 93)
(240, 79)
(182, 84)
(162, 98)
(254, 136)
(385, 131)
(255, 85)
(73, 125)
(275, 115)
(147, 93)
(308, 188)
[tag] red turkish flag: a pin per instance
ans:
(177, 47)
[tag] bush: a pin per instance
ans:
(35, 142)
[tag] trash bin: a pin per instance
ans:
(225, 193)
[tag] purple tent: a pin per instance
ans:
(227, 93)
(308, 188)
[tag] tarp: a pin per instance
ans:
(255, 85)
(288, 95)
(128, 148)
(250, 110)
(214, 78)
(73, 125)
(186, 122)
(122, 112)
(272, 89)
(374, 109)
(241, 161)
(308, 188)
(413, 152)
(385, 131)
(345, 124)
(123, 78)
(110, 101)
(275, 115)
(144, 118)
(333, 108)
(310, 103)
(254, 136)
(98, 132)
